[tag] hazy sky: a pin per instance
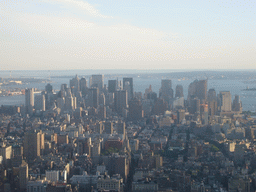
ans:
(127, 34)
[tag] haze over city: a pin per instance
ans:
(127, 96)
(78, 34)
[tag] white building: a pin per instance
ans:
(52, 176)
(85, 179)
(108, 183)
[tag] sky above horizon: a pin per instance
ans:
(118, 34)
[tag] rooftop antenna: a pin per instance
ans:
(10, 74)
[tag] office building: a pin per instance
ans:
(23, 176)
(179, 91)
(225, 101)
(201, 90)
(128, 86)
(135, 110)
(32, 145)
(109, 127)
(166, 91)
(29, 100)
(121, 128)
(48, 88)
(194, 106)
(93, 97)
(112, 85)
(97, 82)
(102, 112)
(120, 101)
(237, 104)
(40, 102)
(83, 86)
(5, 152)
(198, 88)
(212, 95)
(75, 84)
(52, 176)
(99, 127)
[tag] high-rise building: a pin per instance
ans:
(120, 101)
(99, 127)
(75, 84)
(32, 145)
(212, 102)
(97, 81)
(121, 128)
(23, 176)
(109, 127)
(48, 88)
(135, 110)
(102, 112)
(166, 91)
(93, 97)
(201, 90)
(225, 101)
(128, 86)
(160, 107)
(102, 99)
(6, 152)
(179, 91)
(83, 86)
(52, 176)
(69, 103)
(61, 103)
(212, 95)
(198, 88)
(112, 85)
(237, 104)
(194, 106)
(212, 107)
(29, 100)
(40, 102)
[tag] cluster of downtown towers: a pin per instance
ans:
(119, 97)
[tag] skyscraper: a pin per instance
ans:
(201, 90)
(120, 101)
(29, 100)
(212, 95)
(112, 86)
(225, 101)
(32, 145)
(40, 102)
(93, 97)
(23, 176)
(48, 88)
(128, 86)
(97, 81)
(166, 91)
(75, 84)
(198, 88)
(83, 86)
(135, 110)
(212, 102)
(109, 127)
(237, 104)
(179, 91)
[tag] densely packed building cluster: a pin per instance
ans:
(97, 137)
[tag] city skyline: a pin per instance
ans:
(76, 34)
